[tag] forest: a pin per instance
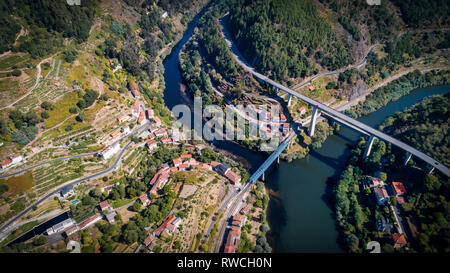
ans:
(44, 20)
(280, 37)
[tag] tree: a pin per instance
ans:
(136, 206)
(45, 115)
(383, 176)
(47, 106)
(40, 240)
(16, 72)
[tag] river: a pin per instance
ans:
(300, 214)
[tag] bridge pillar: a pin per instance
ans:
(278, 159)
(368, 147)
(276, 90)
(263, 177)
(289, 100)
(312, 124)
(408, 157)
(431, 170)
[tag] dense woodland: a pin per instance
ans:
(44, 19)
(281, 37)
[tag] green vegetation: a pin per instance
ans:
(279, 37)
(396, 89)
(423, 12)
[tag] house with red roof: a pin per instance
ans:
(141, 118)
(183, 167)
(233, 177)
(90, 221)
(239, 220)
(151, 144)
(301, 110)
(169, 219)
(398, 188)
(144, 199)
(6, 163)
(157, 121)
(185, 156)
(282, 118)
(177, 162)
(135, 111)
(122, 118)
(233, 238)
(381, 195)
(399, 240)
(160, 132)
(105, 206)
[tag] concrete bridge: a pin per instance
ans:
(339, 117)
(356, 125)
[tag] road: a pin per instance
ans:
(115, 165)
(335, 114)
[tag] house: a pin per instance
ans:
(214, 164)
(311, 88)
(151, 144)
(239, 220)
(71, 230)
(144, 199)
(15, 158)
(111, 217)
(192, 162)
(6, 163)
(374, 182)
(136, 106)
(141, 118)
(122, 118)
(301, 110)
(164, 14)
(110, 150)
(169, 219)
(160, 132)
(157, 121)
(135, 93)
(66, 191)
(205, 166)
(149, 113)
(108, 189)
(398, 188)
(177, 162)
(90, 221)
(233, 177)
(114, 134)
(149, 239)
(185, 156)
(381, 195)
(282, 118)
(105, 205)
(168, 140)
(233, 238)
(222, 168)
(35, 150)
(173, 170)
(183, 167)
(60, 226)
(399, 240)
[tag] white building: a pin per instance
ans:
(109, 151)
(60, 226)
(16, 158)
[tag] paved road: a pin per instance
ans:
(335, 114)
(115, 165)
